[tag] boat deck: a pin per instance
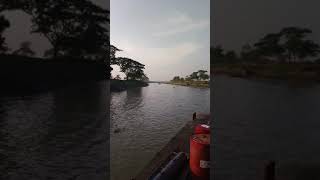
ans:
(179, 143)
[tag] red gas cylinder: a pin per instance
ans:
(201, 129)
(200, 156)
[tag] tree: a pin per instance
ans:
(4, 24)
(289, 44)
(296, 46)
(145, 78)
(269, 46)
(194, 76)
(217, 51)
(188, 78)
(176, 78)
(131, 68)
(25, 49)
(73, 27)
(113, 59)
(231, 55)
(203, 75)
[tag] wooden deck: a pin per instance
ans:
(179, 143)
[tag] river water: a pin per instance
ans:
(61, 134)
(255, 121)
(143, 120)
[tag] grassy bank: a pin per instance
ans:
(285, 71)
(196, 84)
(121, 85)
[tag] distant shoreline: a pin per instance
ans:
(122, 85)
(195, 84)
(287, 71)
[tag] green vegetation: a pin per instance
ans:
(287, 54)
(195, 79)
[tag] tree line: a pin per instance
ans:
(289, 45)
(194, 76)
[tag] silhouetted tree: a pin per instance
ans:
(231, 55)
(113, 59)
(4, 24)
(296, 46)
(131, 68)
(289, 44)
(217, 51)
(25, 49)
(73, 27)
(144, 78)
(269, 46)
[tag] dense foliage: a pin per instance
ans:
(194, 76)
(288, 45)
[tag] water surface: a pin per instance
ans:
(147, 118)
(255, 121)
(60, 134)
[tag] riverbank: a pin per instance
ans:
(285, 71)
(121, 85)
(19, 74)
(195, 84)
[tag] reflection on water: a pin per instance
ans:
(257, 121)
(60, 134)
(144, 119)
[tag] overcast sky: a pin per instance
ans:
(236, 22)
(171, 37)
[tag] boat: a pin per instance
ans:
(172, 161)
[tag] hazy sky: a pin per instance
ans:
(236, 22)
(171, 37)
